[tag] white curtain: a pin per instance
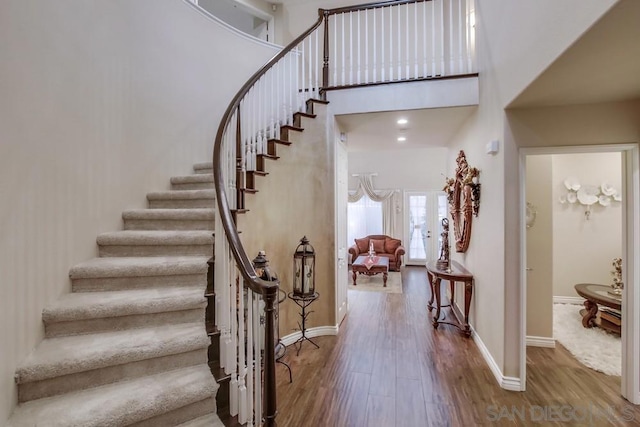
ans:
(387, 197)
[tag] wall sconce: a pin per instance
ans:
(304, 269)
(472, 179)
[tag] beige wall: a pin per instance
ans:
(584, 249)
(101, 102)
(540, 239)
(297, 199)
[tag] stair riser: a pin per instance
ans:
(181, 204)
(94, 378)
(124, 283)
(107, 324)
(202, 171)
(193, 186)
(159, 224)
(154, 250)
(180, 415)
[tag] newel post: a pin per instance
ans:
(270, 407)
(325, 64)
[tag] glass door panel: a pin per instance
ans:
(424, 211)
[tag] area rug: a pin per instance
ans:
(593, 347)
(374, 283)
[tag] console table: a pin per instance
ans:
(456, 273)
(594, 295)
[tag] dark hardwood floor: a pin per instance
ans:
(389, 367)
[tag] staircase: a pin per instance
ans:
(129, 345)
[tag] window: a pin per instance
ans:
(364, 218)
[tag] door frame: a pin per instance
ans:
(630, 379)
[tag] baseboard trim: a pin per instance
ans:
(533, 341)
(311, 332)
(507, 383)
(568, 300)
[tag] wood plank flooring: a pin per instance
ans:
(389, 367)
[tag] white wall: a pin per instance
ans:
(100, 103)
(584, 249)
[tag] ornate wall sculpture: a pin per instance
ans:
(463, 193)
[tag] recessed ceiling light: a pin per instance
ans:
(402, 139)
(402, 121)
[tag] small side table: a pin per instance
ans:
(457, 273)
(303, 302)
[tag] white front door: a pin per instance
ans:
(424, 211)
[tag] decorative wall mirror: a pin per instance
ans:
(464, 200)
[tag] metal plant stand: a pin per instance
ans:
(303, 302)
(280, 348)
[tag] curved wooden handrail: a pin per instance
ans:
(374, 5)
(245, 266)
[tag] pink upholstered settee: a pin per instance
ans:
(383, 246)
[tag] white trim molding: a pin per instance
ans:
(507, 383)
(311, 332)
(533, 341)
(568, 300)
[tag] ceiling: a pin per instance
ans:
(425, 128)
(602, 66)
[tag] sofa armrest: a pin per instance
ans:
(398, 252)
(353, 250)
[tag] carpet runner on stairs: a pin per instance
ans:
(129, 345)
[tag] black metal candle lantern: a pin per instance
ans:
(304, 269)
(261, 265)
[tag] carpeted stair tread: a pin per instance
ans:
(55, 357)
(210, 420)
(192, 179)
(181, 195)
(78, 306)
(170, 214)
(138, 267)
(156, 237)
(121, 403)
(203, 167)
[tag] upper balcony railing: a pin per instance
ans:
(376, 43)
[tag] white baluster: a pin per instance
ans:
(359, 47)
(399, 45)
(233, 357)
(316, 90)
(350, 47)
(390, 44)
(416, 72)
(343, 80)
(374, 63)
(366, 46)
(461, 69)
(251, 356)
(258, 338)
(242, 369)
(310, 77)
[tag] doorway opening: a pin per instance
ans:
(424, 211)
(579, 211)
